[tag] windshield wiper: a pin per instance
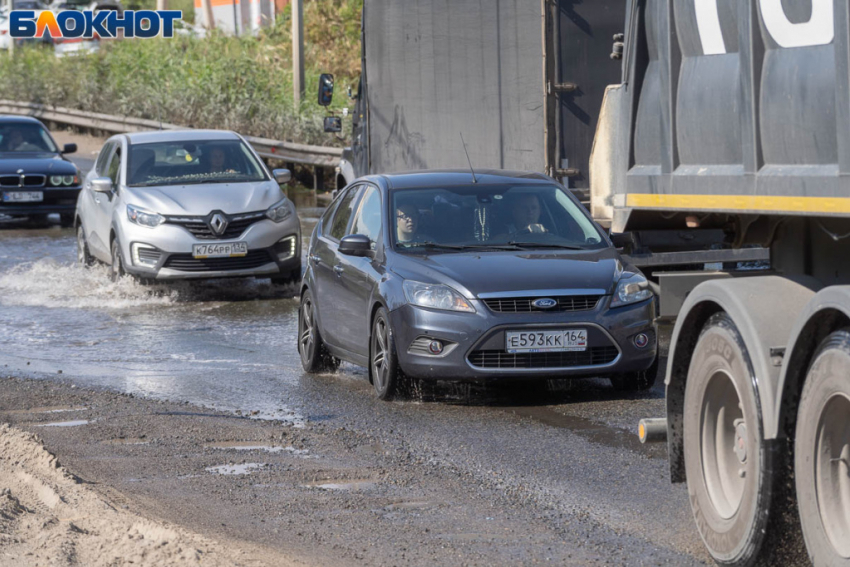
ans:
(429, 244)
(543, 245)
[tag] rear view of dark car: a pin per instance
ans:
(35, 178)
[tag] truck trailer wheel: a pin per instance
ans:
(822, 454)
(725, 452)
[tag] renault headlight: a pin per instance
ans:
(631, 288)
(435, 296)
(280, 211)
(143, 217)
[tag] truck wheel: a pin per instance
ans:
(725, 453)
(314, 354)
(822, 453)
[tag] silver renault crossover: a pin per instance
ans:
(187, 204)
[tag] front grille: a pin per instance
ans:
(200, 229)
(27, 181)
(523, 304)
(188, 263)
(594, 356)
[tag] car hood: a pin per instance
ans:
(48, 164)
(496, 272)
(202, 199)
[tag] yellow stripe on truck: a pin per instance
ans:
(826, 205)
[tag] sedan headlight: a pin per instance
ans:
(64, 180)
(280, 211)
(631, 288)
(143, 217)
(435, 296)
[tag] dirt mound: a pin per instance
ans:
(48, 516)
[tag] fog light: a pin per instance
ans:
(286, 248)
(641, 340)
(436, 347)
(145, 255)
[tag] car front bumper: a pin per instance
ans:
(475, 343)
(168, 249)
(55, 200)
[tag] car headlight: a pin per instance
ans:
(143, 217)
(631, 288)
(280, 211)
(66, 180)
(435, 296)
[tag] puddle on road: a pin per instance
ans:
(126, 441)
(245, 468)
(360, 484)
(254, 446)
(74, 423)
(50, 409)
(591, 430)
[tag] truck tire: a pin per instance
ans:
(726, 457)
(822, 453)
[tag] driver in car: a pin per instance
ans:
(407, 225)
(15, 142)
(526, 216)
(218, 160)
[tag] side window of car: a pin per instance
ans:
(114, 166)
(329, 213)
(368, 219)
(103, 158)
(343, 214)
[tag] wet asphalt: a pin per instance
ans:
(568, 451)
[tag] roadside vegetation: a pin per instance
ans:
(237, 83)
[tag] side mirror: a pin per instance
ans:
(333, 124)
(69, 149)
(101, 185)
(326, 89)
(282, 175)
(355, 245)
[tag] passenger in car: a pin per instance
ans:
(218, 161)
(526, 215)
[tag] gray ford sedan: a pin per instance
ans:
(454, 275)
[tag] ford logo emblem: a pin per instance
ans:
(544, 303)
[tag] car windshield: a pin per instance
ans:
(518, 217)
(187, 163)
(25, 137)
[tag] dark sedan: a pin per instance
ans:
(442, 275)
(35, 177)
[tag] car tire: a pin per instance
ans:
(384, 370)
(315, 357)
(727, 462)
(66, 220)
(116, 268)
(822, 454)
(635, 381)
(84, 257)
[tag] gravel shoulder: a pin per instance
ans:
(220, 488)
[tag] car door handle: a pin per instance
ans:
(339, 270)
(315, 258)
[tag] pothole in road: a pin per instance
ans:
(254, 446)
(357, 484)
(51, 409)
(245, 468)
(73, 423)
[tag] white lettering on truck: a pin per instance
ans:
(819, 30)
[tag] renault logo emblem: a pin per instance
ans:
(218, 224)
(544, 303)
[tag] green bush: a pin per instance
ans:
(242, 84)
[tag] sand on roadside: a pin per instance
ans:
(48, 516)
